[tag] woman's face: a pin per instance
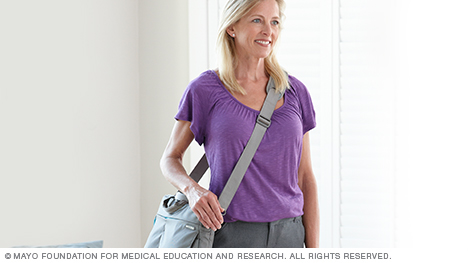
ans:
(256, 33)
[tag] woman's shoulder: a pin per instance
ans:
(205, 88)
(203, 82)
(296, 86)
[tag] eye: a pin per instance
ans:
(256, 20)
(275, 23)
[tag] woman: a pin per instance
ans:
(219, 109)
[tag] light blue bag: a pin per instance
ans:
(176, 226)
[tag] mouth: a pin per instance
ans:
(263, 42)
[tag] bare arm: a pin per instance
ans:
(308, 185)
(204, 203)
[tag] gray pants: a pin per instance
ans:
(284, 233)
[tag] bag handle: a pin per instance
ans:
(262, 124)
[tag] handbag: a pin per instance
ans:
(175, 225)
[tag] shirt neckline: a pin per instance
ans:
(236, 100)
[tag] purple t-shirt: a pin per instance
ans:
(269, 190)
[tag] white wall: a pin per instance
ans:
(163, 78)
(69, 122)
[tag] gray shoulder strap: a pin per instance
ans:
(200, 169)
(263, 122)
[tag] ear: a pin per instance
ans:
(230, 30)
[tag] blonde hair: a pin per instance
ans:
(227, 56)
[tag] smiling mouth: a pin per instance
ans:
(263, 42)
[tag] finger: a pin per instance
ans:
(218, 213)
(205, 219)
(212, 209)
(208, 210)
(200, 218)
(213, 218)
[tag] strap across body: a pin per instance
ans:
(262, 124)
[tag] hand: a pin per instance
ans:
(206, 207)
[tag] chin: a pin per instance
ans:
(263, 55)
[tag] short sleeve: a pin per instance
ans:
(192, 108)
(306, 105)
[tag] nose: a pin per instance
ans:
(267, 29)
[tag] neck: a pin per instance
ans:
(252, 69)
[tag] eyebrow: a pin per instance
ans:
(275, 17)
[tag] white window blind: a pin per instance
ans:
(367, 127)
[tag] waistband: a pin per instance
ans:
(277, 222)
